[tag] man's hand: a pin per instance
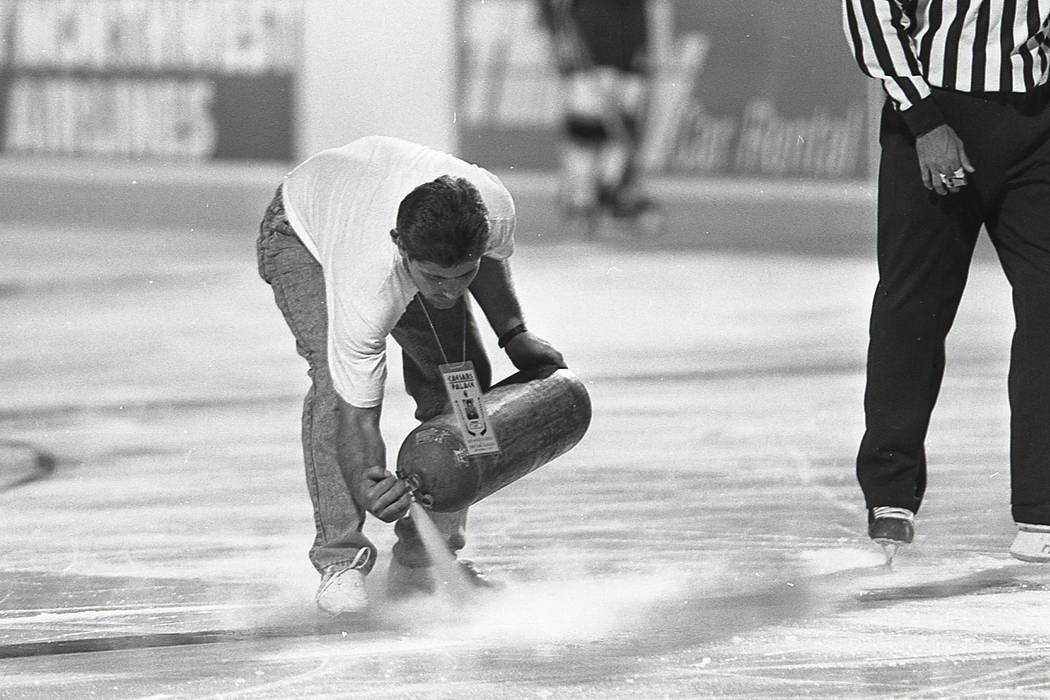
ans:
(941, 152)
(383, 495)
(526, 350)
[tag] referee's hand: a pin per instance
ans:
(943, 163)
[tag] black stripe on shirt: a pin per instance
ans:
(1006, 43)
(936, 17)
(854, 32)
(980, 58)
(1033, 24)
(951, 47)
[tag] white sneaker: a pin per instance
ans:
(342, 591)
(1032, 543)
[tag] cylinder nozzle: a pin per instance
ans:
(415, 487)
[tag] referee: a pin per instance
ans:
(965, 138)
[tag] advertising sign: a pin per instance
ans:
(168, 79)
(747, 88)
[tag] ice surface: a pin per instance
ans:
(706, 538)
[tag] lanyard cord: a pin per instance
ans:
(433, 330)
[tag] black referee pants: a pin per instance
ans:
(925, 243)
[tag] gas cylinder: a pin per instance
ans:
(536, 415)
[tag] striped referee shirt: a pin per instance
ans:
(964, 45)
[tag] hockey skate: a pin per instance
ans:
(1032, 543)
(892, 528)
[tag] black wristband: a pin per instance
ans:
(511, 334)
(923, 117)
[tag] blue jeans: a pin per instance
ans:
(299, 290)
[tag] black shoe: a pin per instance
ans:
(406, 582)
(633, 208)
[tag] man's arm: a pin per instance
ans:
(362, 460)
(494, 291)
(877, 31)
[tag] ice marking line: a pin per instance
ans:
(794, 684)
(882, 661)
(940, 691)
(175, 639)
(60, 615)
(124, 408)
(293, 680)
(749, 372)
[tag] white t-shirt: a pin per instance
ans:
(343, 204)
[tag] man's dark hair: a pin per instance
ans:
(443, 222)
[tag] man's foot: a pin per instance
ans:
(892, 528)
(342, 588)
(633, 213)
(407, 581)
(633, 208)
(342, 591)
(1032, 543)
